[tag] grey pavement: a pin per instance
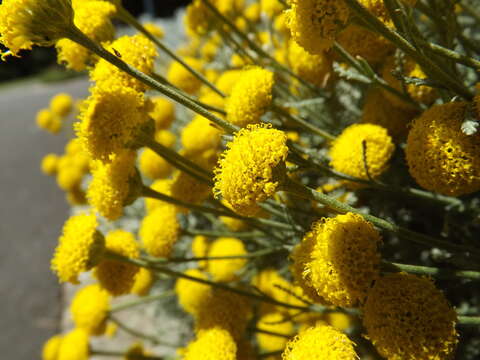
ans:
(32, 212)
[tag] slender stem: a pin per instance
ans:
(126, 17)
(77, 36)
(469, 320)
(122, 355)
(140, 301)
(208, 233)
(431, 271)
(261, 331)
(134, 332)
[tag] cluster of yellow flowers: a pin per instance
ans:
(284, 98)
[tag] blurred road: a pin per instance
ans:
(32, 212)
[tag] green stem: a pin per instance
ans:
(77, 36)
(140, 301)
(431, 271)
(215, 234)
(261, 331)
(133, 332)
(126, 17)
(469, 320)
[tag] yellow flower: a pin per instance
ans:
(80, 248)
(338, 259)
(49, 164)
(200, 246)
(277, 323)
(144, 280)
(74, 346)
(440, 156)
(162, 112)
(89, 309)
(226, 270)
(162, 186)
(271, 7)
(188, 189)
(250, 97)
(252, 12)
(313, 68)
(200, 135)
(137, 51)
(51, 347)
(197, 18)
(227, 80)
(93, 18)
(349, 156)
(61, 104)
(110, 120)
(250, 170)
(321, 342)
(69, 176)
(153, 165)
(47, 120)
(212, 344)
(154, 29)
(192, 294)
(24, 23)
(114, 276)
(180, 77)
(160, 230)
(314, 24)
(407, 317)
(114, 185)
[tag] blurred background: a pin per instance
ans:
(33, 209)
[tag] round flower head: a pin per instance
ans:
(51, 347)
(110, 120)
(362, 147)
(226, 270)
(114, 276)
(200, 135)
(408, 318)
(277, 323)
(153, 165)
(250, 97)
(321, 342)
(80, 248)
(61, 104)
(114, 185)
(197, 18)
(24, 23)
(271, 8)
(314, 24)
(313, 68)
(200, 246)
(144, 280)
(89, 309)
(162, 112)
(137, 51)
(250, 170)
(162, 186)
(160, 230)
(339, 259)
(227, 80)
(93, 18)
(49, 121)
(154, 29)
(188, 189)
(180, 77)
(440, 156)
(74, 346)
(49, 164)
(212, 344)
(192, 294)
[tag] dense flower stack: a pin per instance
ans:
(305, 175)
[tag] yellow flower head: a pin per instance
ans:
(163, 112)
(321, 342)
(61, 104)
(200, 135)
(407, 317)
(339, 259)
(250, 97)
(313, 68)
(212, 344)
(114, 276)
(89, 309)
(110, 120)
(188, 189)
(154, 29)
(277, 323)
(51, 347)
(153, 165)
(180, 77)
(162, 186)
(80, 248)
(250, 170)
(271, 7)
(144, 280)
(114, 185)
(197, 18)
(314, 24)
(69, 173)
(252, 12)
(24, 23)
(349, 155)
(160, 230)
(49, 121)
(137, 51)
(49, 164)
(74, 346)
(192, 294)
(93, 18)
(226, 270)
(440, 156)
(227, 80)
